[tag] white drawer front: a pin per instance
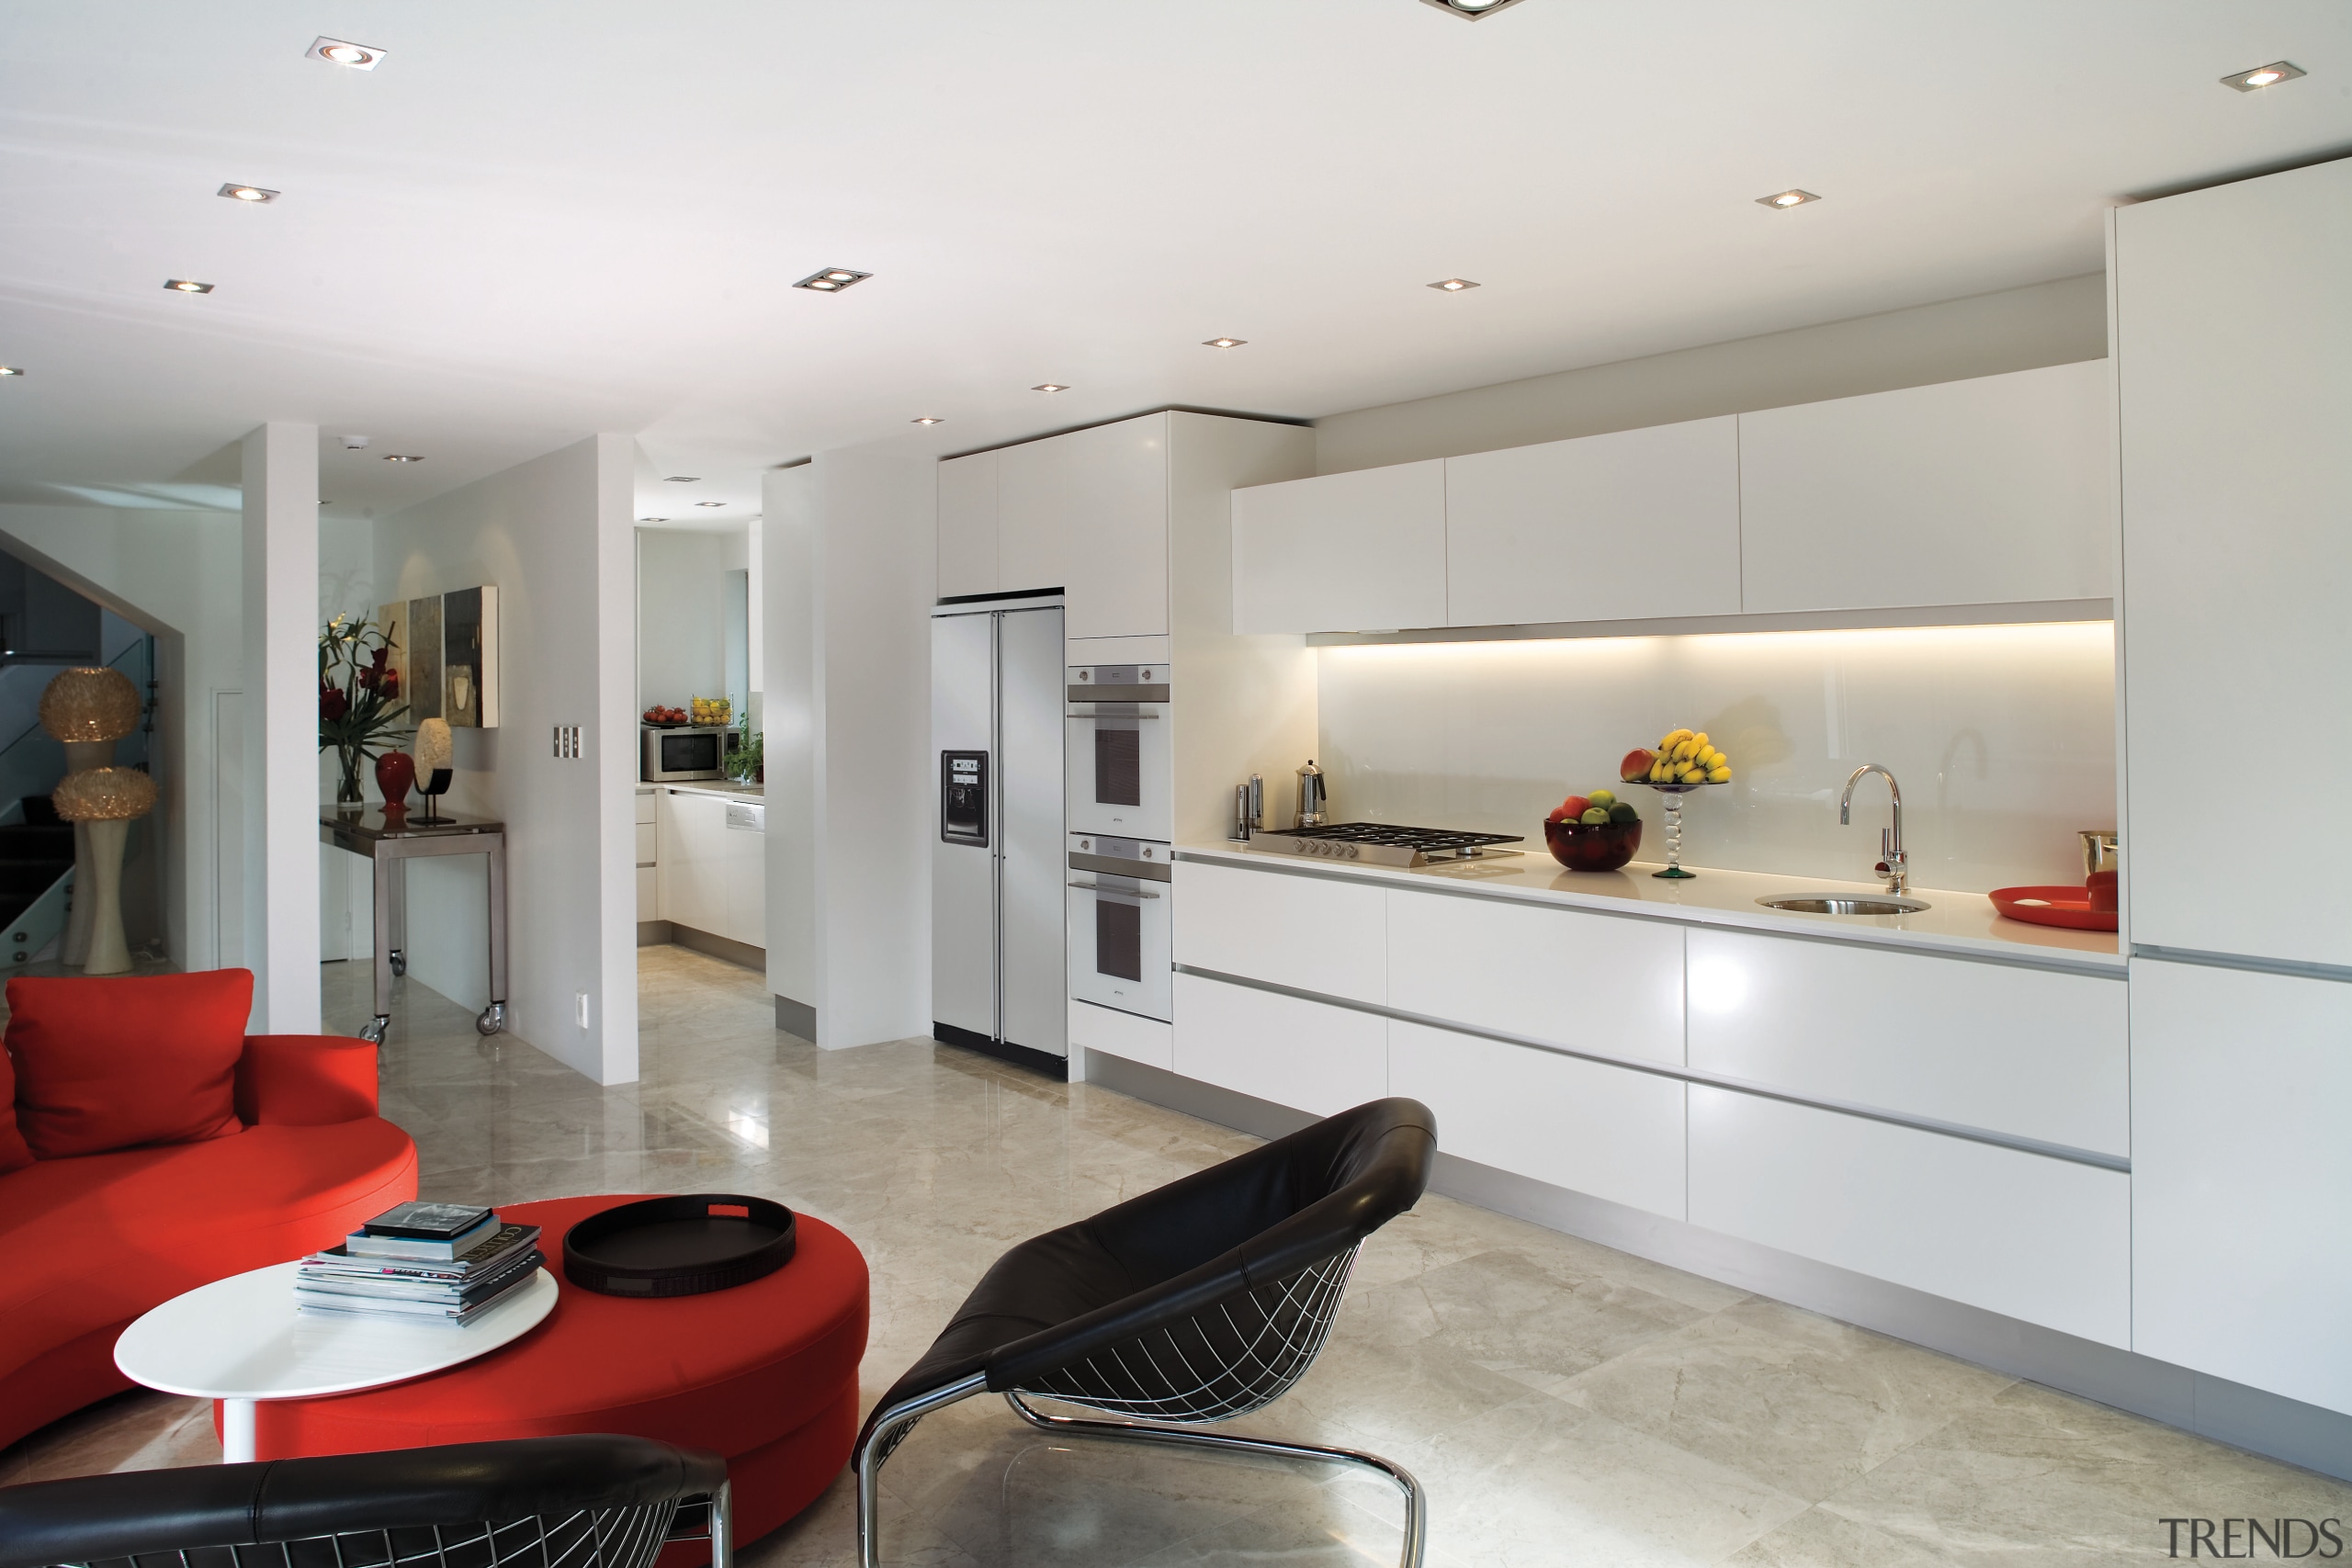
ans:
(1318, 1058)
(1145, 1040)
(649, 843)
(648, 806)
(2028, 1051)
(648, 893)
(1312, 933)
(2046, 1240)
(1611, 1131)
(1589, 981)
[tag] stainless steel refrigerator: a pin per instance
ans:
(997, 981)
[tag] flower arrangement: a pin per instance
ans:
(360, 708)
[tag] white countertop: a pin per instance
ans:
(1953, 923)
(710, 786)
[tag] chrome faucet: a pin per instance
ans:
(1893, 863)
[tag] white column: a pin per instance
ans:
(613, 751)
(281, 724)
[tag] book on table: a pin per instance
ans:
(416, 1298)
(446, 1231)
(487, 1253)
(478, 1262)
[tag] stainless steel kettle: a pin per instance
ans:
(1313, 806)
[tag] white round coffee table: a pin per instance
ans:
(242, 1340)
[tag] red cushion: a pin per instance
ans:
(736, 1372)
(93, 1242)
(118, 1064)
(15, 1153)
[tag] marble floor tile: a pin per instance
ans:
(1563, 1403)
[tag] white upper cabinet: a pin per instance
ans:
(1630, 526)
(1361, 551)
(1994, 490)
(2234, 348)
(968, 526)
(1088, 512)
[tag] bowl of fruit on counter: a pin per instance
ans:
(1593, 832)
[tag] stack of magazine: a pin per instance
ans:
(449, 1262)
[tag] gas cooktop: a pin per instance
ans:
(1378, 843)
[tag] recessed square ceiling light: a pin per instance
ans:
(1049, 386)
(1473, 10)
(832, 280)
(339, 51)
(11, 370)
(256, 194)
(402, 457)
(1224, 342)
(653, 520)
(1452, 284)
(187, 286)
(710, 503)
(929, 419)
(682, 480)
(2262, 76)
(1786, 198)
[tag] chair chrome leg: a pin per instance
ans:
(874, 1449)
(722, 1525)
(1417, 1502)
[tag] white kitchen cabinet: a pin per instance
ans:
(1609, 1132)
(1116, 1033)
(1311, 933)
(1308, 1055)
(968, 526)
(1592, 981)
(1086, 512)
(1361, 551)
(712, 876)
(2030, 1053)
(2235, 355)
(743, 875)
(1993, 490)
(2241, 1176)
(1628, 525)
(2041, 1239)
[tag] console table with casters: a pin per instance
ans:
(389, 843)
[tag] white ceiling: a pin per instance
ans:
(536, 221)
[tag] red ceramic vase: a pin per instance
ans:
(395, 775)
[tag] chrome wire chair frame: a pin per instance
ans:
(1237, 1357)
(585, 1537)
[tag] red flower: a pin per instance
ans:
(391, 684)
(333, 703)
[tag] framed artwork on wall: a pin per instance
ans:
(468, 643)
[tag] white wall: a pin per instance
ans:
(179, 575)
(280, 722)
(850, 578)
(680, 576)
(2003, 739)
(2016, 329)
(554, 535)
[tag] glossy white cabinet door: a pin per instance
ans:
(2028, 1051)
(1593, 982)
(2041, 1239)
(743, 883)
(1145, 1040)
(1309, 932)
(1362, 551)
(1309, 1056)
(648, 893)
(1609, 1132)
(968, 524)
(2242, 1176)
(2235, 358)
(1624, 527)
(1088, 512)
(692, 875)
(1993, 490)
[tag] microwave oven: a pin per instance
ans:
(672, 756)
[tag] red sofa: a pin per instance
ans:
(92, 1241)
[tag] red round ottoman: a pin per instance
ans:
(764, 1373)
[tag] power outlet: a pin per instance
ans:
(567, 742)
(581, 998)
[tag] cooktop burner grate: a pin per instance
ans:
(1378, 843)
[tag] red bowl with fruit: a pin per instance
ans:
(1592, 846)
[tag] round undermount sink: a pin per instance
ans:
(1840, 904)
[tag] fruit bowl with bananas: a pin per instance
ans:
(1683, 759)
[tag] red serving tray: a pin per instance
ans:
(2063, 905)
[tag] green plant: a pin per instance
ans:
(750, 755)
(360, 705)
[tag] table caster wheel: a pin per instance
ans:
(400, 962)
(378, 1027)
(493, 1019)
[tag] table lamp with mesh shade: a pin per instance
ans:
(102, 803)
(87, 709)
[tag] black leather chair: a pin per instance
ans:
(577, 1502)
(1204, 1300)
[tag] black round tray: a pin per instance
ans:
(679, 1247)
